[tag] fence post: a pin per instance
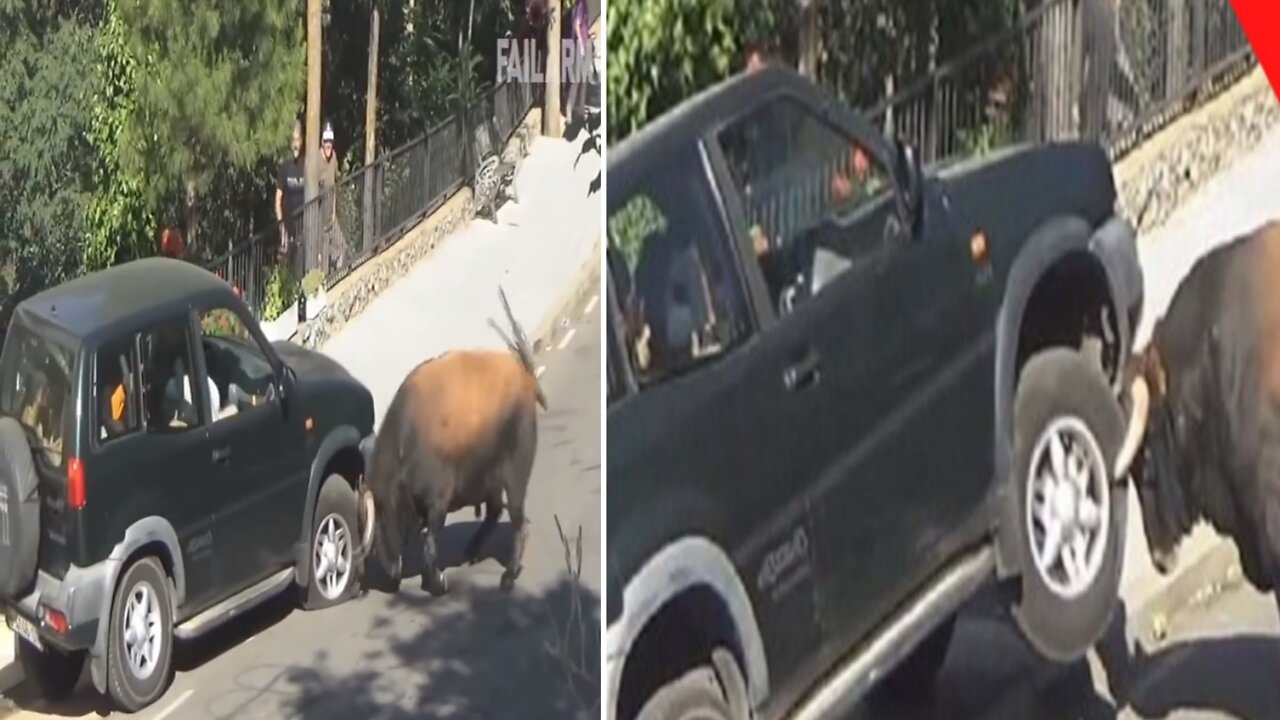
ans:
(377, 203)
(368, 214)
(428, 192)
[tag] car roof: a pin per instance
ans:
(101, 303)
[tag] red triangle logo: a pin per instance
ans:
(1261, 22)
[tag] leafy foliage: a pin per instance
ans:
(45, 162)
(220, 79)
(662, 51)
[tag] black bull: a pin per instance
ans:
(461, 431)
(1212, 448)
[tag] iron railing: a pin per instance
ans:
(1040, 80)
(368, 209)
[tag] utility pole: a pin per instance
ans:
(371, 125)
(312, 141)
(551, 98)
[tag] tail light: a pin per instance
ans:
(55, 620)
(75, 483)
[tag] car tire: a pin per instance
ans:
(51, 673)
(139, 669)
(1064, 399)
(334, 536)
(20, 498)
(703, 693)
(919, 669)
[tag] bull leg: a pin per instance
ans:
(492, 510)
(432, 578)
(514, 565)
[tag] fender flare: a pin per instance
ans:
(152, 528)
(681, 565)
(1052, 240)
(342, 437)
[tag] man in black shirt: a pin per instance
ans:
(290, 187)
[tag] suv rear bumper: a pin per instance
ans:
(79, 597)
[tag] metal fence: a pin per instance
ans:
(1113, 72)
(368, 209)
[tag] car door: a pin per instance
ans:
(704, 438)
(829, 245)
(256, 447)
(168, 465)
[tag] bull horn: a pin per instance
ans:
(1140, 401)
(368, 514)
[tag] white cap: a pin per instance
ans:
(327, 135)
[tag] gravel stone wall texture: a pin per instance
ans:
(1198, 152)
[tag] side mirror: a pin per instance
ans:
(910, 184)
(284, 385)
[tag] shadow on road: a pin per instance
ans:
(991, 673)
(488, 656)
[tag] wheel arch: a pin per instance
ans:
(149, 536)
(1060, 252)
(691, 577)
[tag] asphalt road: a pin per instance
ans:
(476, 653)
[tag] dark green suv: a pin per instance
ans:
(163, 467)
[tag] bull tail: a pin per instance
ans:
(519, 344)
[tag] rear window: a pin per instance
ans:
(35, 388)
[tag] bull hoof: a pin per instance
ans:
(435, 584)
(508, 580)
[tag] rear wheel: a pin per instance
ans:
(140, 638)
(712, 691)
(51, 673)
(1067, 432)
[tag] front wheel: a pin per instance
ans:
(333, 546)
(1067, 432)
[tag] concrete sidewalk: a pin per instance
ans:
(539, 251)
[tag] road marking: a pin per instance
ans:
(541, 369)
(174, 705)
(567, 337)
(591, 305)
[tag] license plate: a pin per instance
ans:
(24, 629)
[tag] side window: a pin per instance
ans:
(171, 397)
(118, 408)
(679, 296)
(239, 373)
(795, 171)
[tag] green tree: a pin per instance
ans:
(45, 162)
(217, 86)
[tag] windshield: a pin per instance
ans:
(35, 388)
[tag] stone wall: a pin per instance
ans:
(1174, 163)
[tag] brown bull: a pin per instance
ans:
(461, 431)
(1212, 447)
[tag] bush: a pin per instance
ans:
(279, 293)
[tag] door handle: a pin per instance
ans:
(222, 454)
(802, 374)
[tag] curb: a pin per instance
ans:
(586, 282)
